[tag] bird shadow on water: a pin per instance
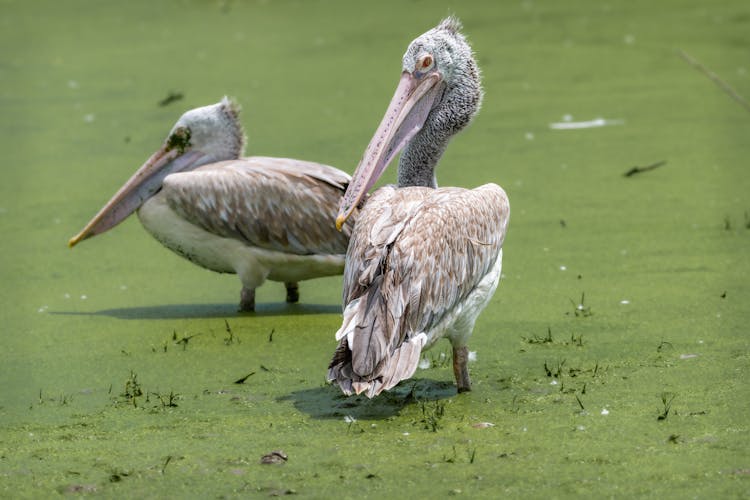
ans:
(329, 402)
(181, 311)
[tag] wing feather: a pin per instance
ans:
(271, 203)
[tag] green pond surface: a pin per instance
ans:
(613, 361)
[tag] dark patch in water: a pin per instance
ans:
(329, 403)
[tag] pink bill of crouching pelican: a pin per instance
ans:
(423, 261)
(259, 217)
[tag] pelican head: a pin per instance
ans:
(201, 136)
(438, 94)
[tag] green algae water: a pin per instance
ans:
(611, 362)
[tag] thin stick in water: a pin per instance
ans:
(715, 78)
(638, 170)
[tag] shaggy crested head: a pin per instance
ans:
(214, 130)
(443, 48)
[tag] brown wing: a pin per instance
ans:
(272, 203)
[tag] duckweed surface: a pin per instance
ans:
(612, 362)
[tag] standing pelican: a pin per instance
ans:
(423, 261)
(261, 218)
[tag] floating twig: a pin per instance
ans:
(171, 97)
(166, 462)
(640, 170)
(715, 78)
(579, 401)
(243, 379)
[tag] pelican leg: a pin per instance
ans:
(461, 368)
(247, 299)
(292, 292)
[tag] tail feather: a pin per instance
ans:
(340, 368)
(403, 362)
(350, 317)
(369, 358)
(370, 342)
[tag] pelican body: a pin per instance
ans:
(423, 261)
(259, 217)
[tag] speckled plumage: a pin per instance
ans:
(412, 267)
(241, 198)
(422, 262)
(259, 217)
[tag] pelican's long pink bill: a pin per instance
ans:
(412, 102)
(141, 186)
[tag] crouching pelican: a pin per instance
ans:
(261, 218)
(423, 261)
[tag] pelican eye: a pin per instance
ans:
(179, 140)
(425, 62)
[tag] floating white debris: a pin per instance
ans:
(554, 382)
(43, 309)
(580, 428)
(483, 425)
(404, 433)
(688, 356)
(563, 268)
(567, 118)
(67, 296)
(529, 136)
(596, 122)
(625, 302)
(89, 118)
(472, 356)
(123, 287)
(424, 364)
(605, 411)
(84, 297)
